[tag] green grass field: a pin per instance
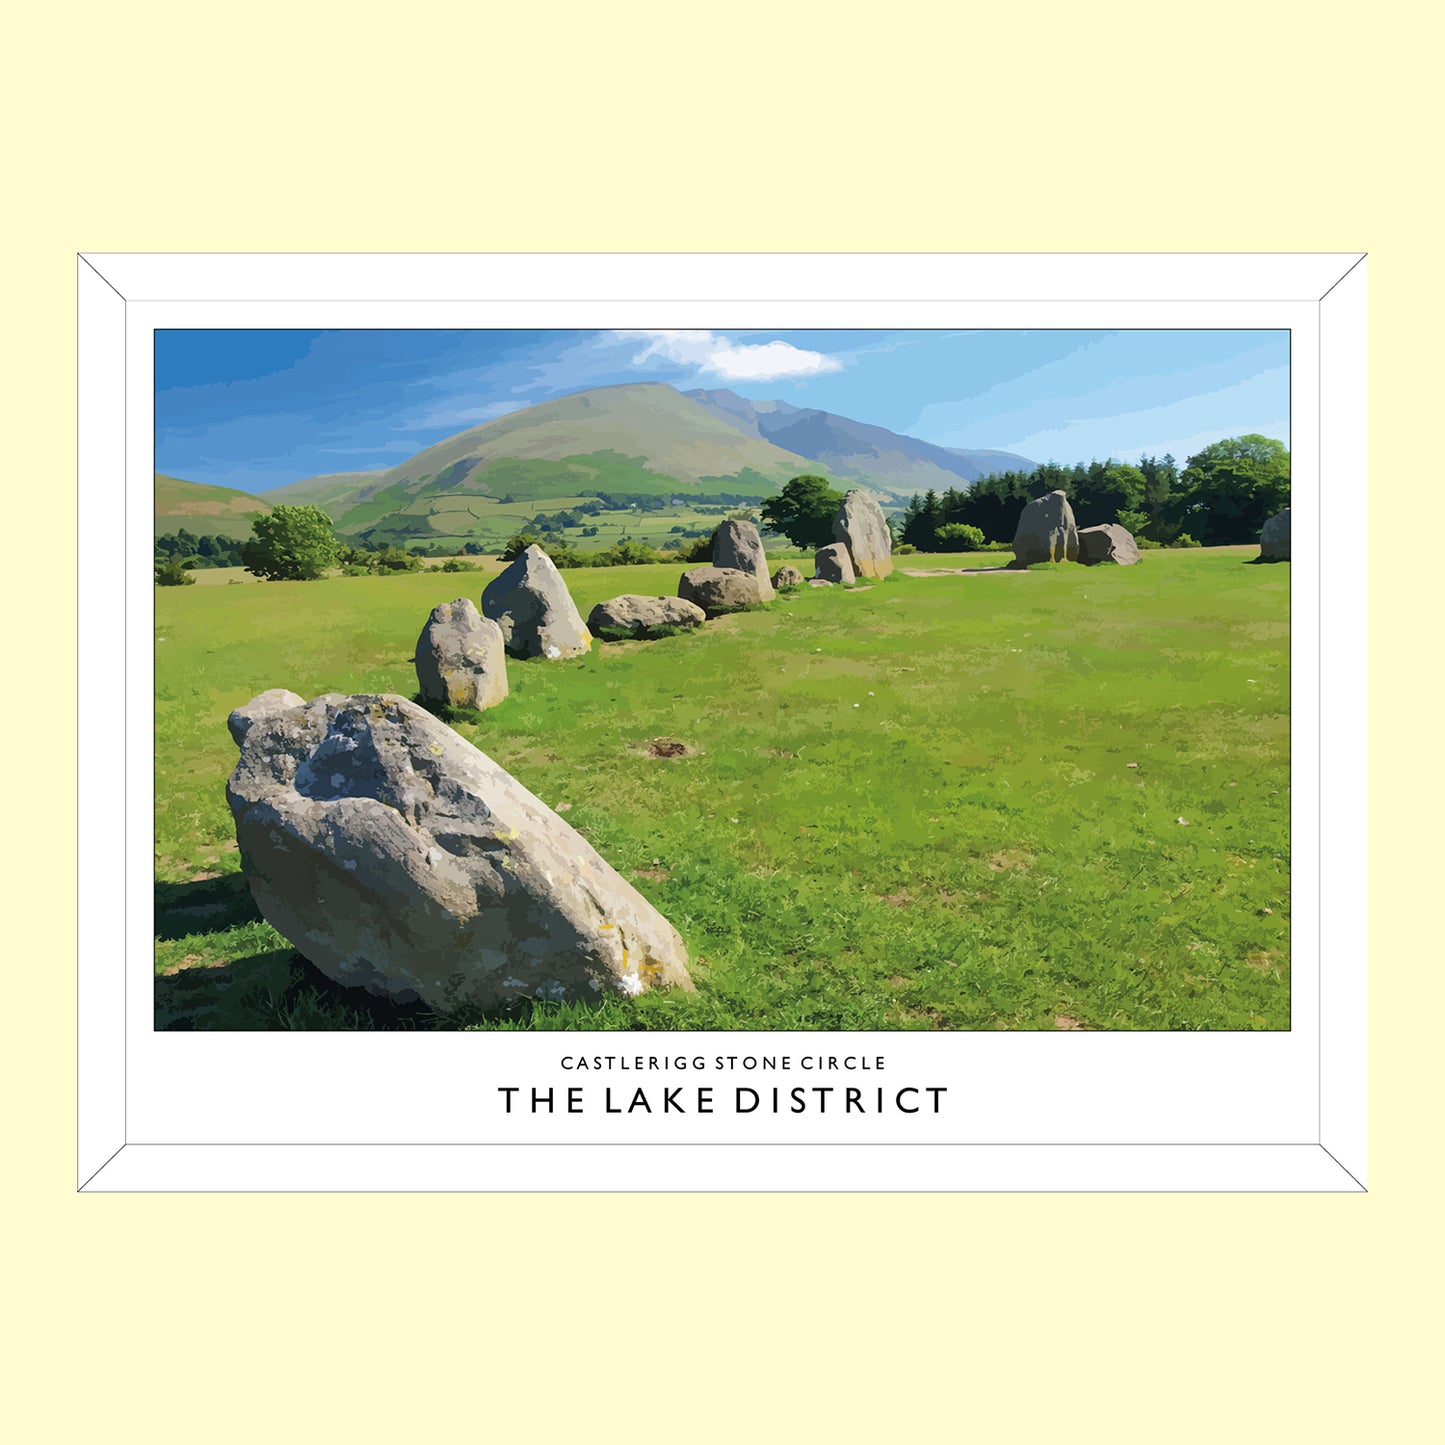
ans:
(910, 805)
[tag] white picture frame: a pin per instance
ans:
(414, 1111)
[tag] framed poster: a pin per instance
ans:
(945, 863)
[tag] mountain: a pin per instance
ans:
(665, 439)
(881, 459)
(642, 438)
(704, 450)
(322, 490)
(201, 508)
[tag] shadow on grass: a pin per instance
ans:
(276, 990)
(208, 905)
(279, 990)
(449, 715)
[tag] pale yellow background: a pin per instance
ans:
(752, 126)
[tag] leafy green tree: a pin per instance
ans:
(172, 574)
(628, 554)
(1231, 488)
(519, 544)
(803, 511)
(294, 544)
(1120, 488)
(959, 537)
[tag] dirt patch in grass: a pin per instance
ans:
(962, 571)
(1008, 858)
(669, 748)
(657, 875)
(1263, 959)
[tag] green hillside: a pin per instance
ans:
(484, 484)
(201, 508)
(333, 492)
(644, 440)
(669, 436)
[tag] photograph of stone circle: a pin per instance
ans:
(716, 680)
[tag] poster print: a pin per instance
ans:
(560, 723)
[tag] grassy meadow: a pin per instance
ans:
(1049, 799)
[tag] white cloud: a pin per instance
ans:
(728, 360)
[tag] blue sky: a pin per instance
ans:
(258, 409)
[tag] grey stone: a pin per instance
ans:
(1274, 539)
(396, 856)
(719, 589)
(461, 658)
(643, 616)
(1108, 542)
(832, 564)
(1046, 532)
(787, 577)
(273, 700)
(737, 547)
(861, 526)
(530, 602)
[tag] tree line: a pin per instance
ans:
(1223, 495)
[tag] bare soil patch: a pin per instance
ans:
(669, 748)
(964, 571)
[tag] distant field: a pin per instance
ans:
(912, 805)
(460, 518)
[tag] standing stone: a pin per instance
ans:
(832, 564)
(1274, 539)
(787, 577)
(461, 658)
(1107, 543)
(861, 527)
(737, 547)
(530, 602)
(719, 589)
(636, 616)
(396, 856)
(1046, 532)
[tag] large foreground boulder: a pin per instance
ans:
(787, 577)
(1107, 543)
(634, 616)
(1046, 532)
(1274, 539)
(832, 564)
(396, 856)
(530, 602)
(263, 705)
(737, 547)
(720, 589)
(863, 529)
(461, 658)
